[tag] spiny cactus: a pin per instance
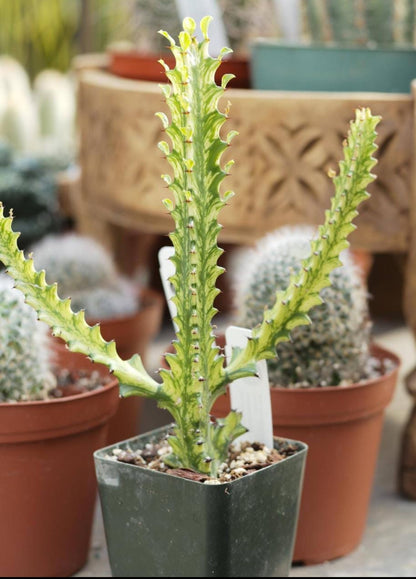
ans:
(24, 364)
(197, 374)
(85, 271)
(335, 348)
(31, 190)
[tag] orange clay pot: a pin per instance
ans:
(140, 66)
(132, 334)
(342, 427)
(47, 481)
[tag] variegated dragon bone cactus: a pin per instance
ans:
(198, 374)
(335, 348)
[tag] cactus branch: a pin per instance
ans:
(57, 313)
(291, 306)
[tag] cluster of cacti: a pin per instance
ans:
(361, 22)
(197, 373)
(40, 120)
(335, 348)
(25, 372)
(86, 272)
(30, 188)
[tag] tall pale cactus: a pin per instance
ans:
(25, 372)
(335, 348)
(361, 22)
(197, 374)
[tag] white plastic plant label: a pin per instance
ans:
(251, 396)
(197, 9)
(167, 269)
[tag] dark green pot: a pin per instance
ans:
(278, 66)
(159, 525)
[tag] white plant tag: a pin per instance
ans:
(197, 9)
(167, 269)
(251, 396)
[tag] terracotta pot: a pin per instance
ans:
(132, 335)
(47, 481)
(342, 427)
(364, 260)
(137, 65)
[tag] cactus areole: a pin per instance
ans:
(197, 374)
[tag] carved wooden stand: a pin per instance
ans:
(287, 143)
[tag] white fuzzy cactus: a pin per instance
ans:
(335, 348)
(39, 121)
(85, 271)
(19, 123)
(54, 96)
(25, 372)
(13, 77)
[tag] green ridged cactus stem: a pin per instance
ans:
(335, 348)
(25, 372)
(197, 374)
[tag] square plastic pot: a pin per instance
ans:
(160, 525)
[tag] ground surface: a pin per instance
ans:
(388, 548)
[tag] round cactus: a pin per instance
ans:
(30, 189)
(54, 95)
(25, 372)
(85, 272)
(334, 349)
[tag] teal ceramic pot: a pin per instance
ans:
(293, 67)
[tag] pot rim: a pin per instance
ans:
(101, 455)
(334, 47)
(138, 54)
(375, 349)
(48, 401)
(41, 420)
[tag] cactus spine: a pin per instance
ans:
(197, 375)
(334, 348)
(24, 364)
